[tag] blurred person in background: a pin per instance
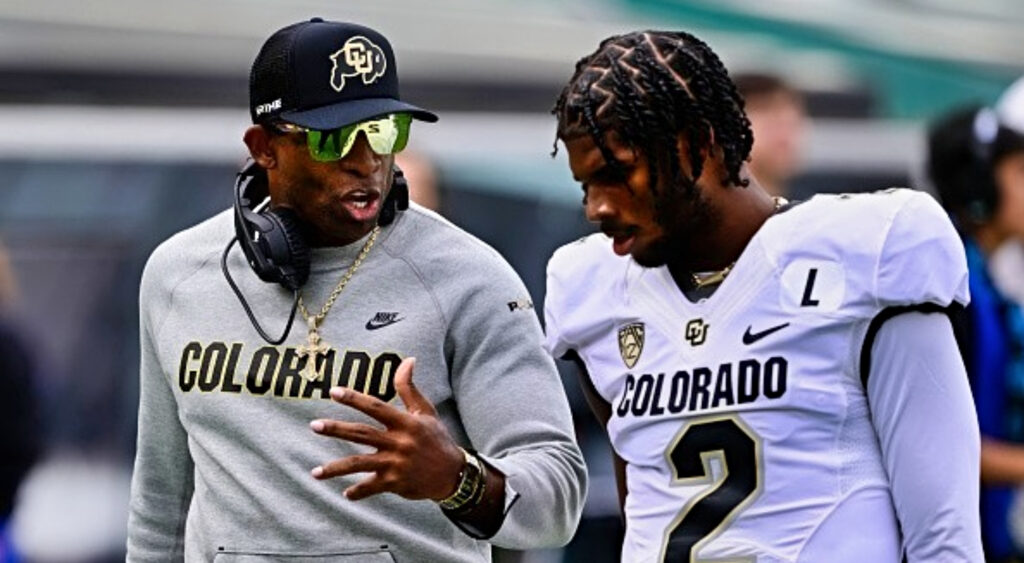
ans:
(20, 435)
(976, 163)
(1006, 263)
(778, 119)
(779, 382)
(232, 464)
(422, 176)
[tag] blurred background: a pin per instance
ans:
(121, 123)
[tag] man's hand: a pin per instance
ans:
(416, 457)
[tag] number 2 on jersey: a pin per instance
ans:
(738, 450)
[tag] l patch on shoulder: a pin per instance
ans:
(817, 285)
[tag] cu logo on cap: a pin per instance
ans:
(358, 57)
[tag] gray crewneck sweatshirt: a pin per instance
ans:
(222, 471)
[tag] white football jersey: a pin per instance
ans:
(743, 418)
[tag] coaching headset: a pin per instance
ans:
(272, 239)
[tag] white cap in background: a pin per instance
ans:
(1010, 108)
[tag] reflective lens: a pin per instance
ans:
(386, 135)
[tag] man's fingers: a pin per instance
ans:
(368, 487)
(414, 401)
(348, 465)
(351, 431)
(384, 413)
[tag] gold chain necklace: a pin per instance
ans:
(315, 347)
(705, 279)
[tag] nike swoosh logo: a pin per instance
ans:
(752, 337)
(373, 324)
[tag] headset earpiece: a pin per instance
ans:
(398, 197)
(272, 238)
(400, 187)
(292, 257)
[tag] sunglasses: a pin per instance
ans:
(386, 135)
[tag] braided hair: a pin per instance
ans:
(651, 87)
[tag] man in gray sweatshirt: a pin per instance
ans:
(331, 443)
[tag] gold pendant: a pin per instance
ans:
(313, 349)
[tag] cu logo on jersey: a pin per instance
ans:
(631, 343)
(358, 57)
(696, 332)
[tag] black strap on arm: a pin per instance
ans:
(955, 312)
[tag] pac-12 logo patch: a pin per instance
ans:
(631, 343)
(358, 57)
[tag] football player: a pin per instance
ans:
(779, 382)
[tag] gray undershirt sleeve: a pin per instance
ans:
(923, 414)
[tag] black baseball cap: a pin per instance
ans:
(324, 75)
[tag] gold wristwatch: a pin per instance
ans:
(472, 482)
